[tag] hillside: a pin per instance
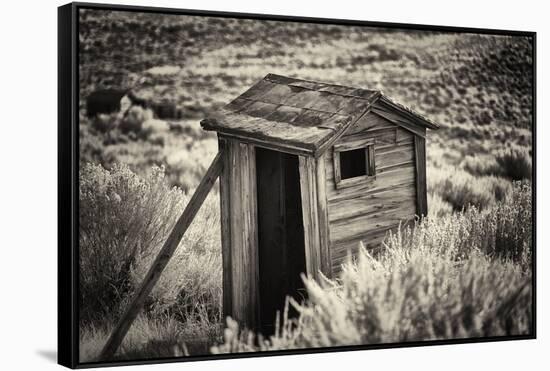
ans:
(476, 86)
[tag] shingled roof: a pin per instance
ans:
(298, 115)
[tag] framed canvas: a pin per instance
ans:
(241, 185)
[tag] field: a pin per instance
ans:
(138, 171)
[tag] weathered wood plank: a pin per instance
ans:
(308, 189)
(239, 233)
(328, 102)
(363, 181)
(371, 164)
(275, 134)
(281, 147)
(369, 122)
(346, 145)
(322, 210)
(384, 180)
(390, 149)
(398, 120)
(337, 174)
(235, 218)
(397, 156)
(404, 136)
(421, 189)
(225, 220)
(382, 136)
(346, 229)
(259, 109)
(380, 193)
(162, 259)
(371, 203)
(258, 90)
(369, 241)
(250, 233)
(415, 117)
(396, 166)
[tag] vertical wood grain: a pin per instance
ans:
(240, 241)
(226, 228)
(420, 163)
(250, 233)
(371, 166)
(308, 189)
(322, 210)
(336, 167)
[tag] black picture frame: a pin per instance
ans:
(68, 175)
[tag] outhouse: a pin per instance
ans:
(309, 170)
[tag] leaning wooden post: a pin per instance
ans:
(163, 257)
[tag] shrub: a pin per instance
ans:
(462, 190)
(508, 227)
(409, 297)
(155, 126)
(516, 163)
(158, 140)
(124, 220)
(463, 275)
(482, 165)
(437, 207)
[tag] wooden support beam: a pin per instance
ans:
(163, 258)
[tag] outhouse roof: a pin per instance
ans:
(299, 115)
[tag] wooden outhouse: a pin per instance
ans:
(309, 170)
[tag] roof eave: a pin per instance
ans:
(298, 148)
(412, 114)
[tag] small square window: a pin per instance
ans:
(353, 163)
(353, 166)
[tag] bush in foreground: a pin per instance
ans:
(124, 220)
(466, 275)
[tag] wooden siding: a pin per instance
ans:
(315, 216)
(239, 232)
(421, 188)
(366, 211)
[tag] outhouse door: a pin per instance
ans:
(281, 255)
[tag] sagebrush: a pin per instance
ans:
(465, 275)
(124, 219)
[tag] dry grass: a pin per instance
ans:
(123, 223)
(460, 276)
(153, 337)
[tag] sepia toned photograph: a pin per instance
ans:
(254, 184)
